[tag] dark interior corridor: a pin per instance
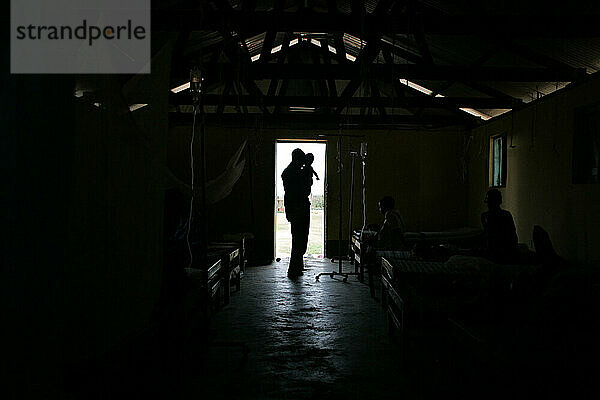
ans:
(306, 339)
(138, 195)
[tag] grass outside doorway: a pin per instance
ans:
(315, 237)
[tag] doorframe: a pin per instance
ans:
(300, 141)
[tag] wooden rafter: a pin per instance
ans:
(282, 100)
(541, 59)
(364, 65)
(280, 60)
(338, 42)
(409, 56)
(270, 35)
(375, 94)
(419, 32)
(226, 90)
(316, 56)
(479, 61)
(366, 56)
(324, 121)
(240, 60)
(398, 87)
(327, 60)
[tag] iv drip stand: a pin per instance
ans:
(340, 257)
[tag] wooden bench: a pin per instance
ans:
(231, 267)
(205, 287)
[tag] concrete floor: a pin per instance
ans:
(329, 340)
(306, 340)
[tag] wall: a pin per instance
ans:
(36, 161)
(538, 188)
(83, 213)
(421, 169)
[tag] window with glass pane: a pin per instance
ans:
(498, 161)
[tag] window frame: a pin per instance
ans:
(503, 161)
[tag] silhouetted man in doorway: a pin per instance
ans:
(296, 184)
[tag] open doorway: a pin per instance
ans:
(283, 233)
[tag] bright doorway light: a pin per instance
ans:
(283, 234)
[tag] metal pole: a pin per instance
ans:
(353, 155)
(340, 202)
(204, 218)
(340, 272)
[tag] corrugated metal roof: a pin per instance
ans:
(345, 7)
(458, 89)
(527, 91)
(202, 41)
(494, 112)
(447, 7)
(506, 58)
(353, 44)
(578, 53)
(406, 43)
(445, 50)
(370, 5)
(254, 44)
(279, 38)
(507, 7)
(455, 50)
(263, 85)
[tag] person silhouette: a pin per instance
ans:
(310, 158)
(499, 230)
(297, 209)
(391, 233)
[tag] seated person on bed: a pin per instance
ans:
(501, 243)
(390, 235)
